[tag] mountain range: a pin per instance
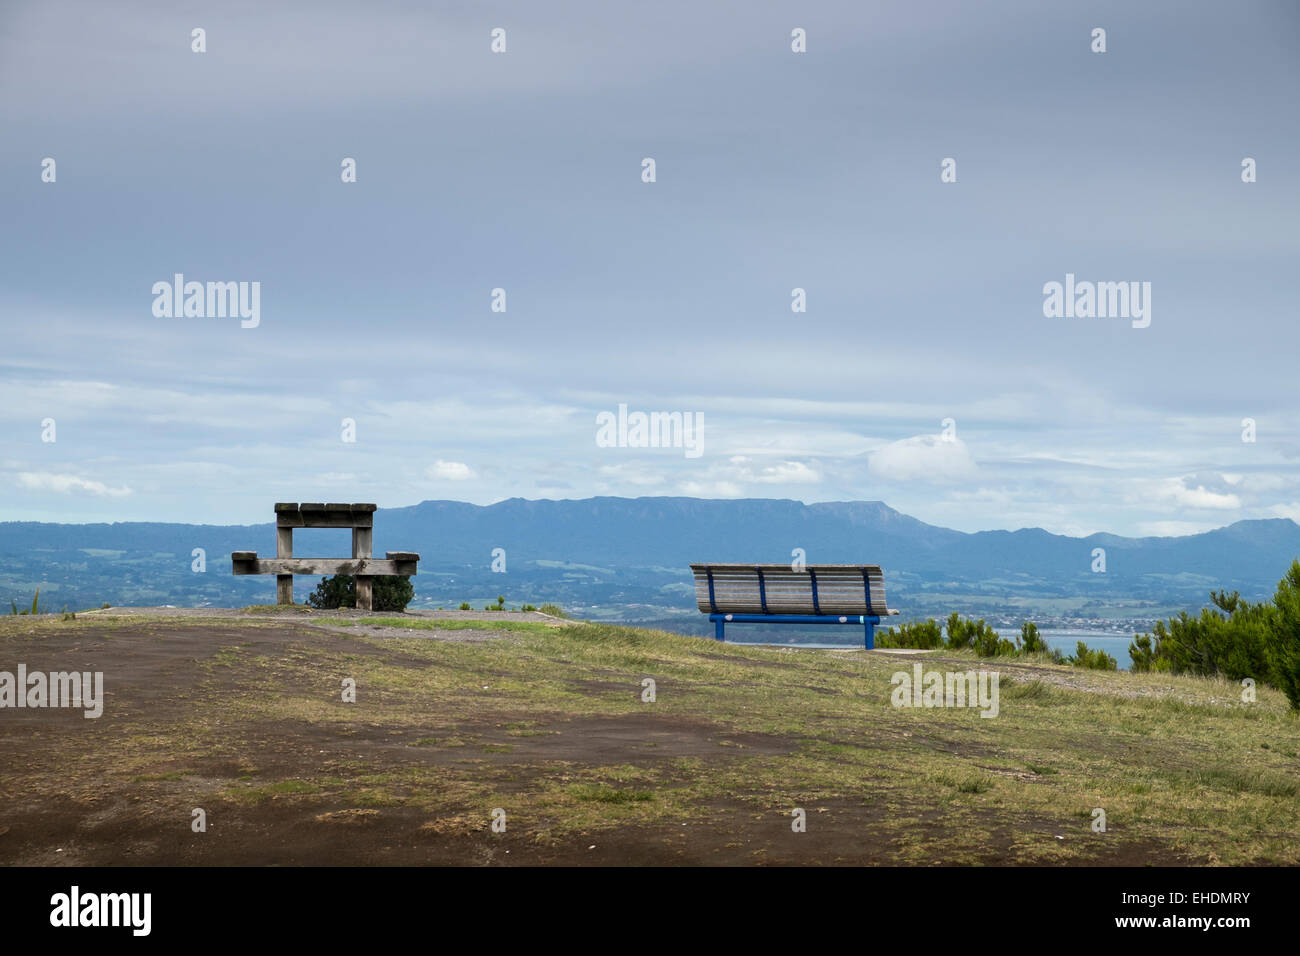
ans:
(628, 558)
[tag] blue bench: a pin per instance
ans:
(846, 594)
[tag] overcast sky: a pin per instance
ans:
(775, 170)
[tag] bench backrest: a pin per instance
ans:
(779, 589)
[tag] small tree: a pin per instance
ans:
(1030, 642)
(1144, 654)
(1097, 660)
(1284, 636)
(390, 592)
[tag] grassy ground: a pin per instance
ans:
(546, 721)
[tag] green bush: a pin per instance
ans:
(921, 634)
(1284, 636)
(464, 606)
(1234, 639)
(554, 610)
(977, 635)
(1031, 642)
(390, 592)
(1143, 654)
(1097, 660)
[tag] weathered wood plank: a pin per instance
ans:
(325, 519)
(363, 542)
(315, 514)
(323, 566)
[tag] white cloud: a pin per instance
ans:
(1261, 483)
(781, 473)
(1172, 529)
(629, 474)
(731, 478)
(1291, 511)
(711, 489)
(922, 458)
(1176, 491)
(68, 485)
(450, 471)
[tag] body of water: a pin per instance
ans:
(1114, 643)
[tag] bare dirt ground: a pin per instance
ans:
(103, 822)
(72, 791)
(299, 613)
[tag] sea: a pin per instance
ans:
(1065, 640)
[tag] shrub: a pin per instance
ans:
(981, 637)
(554, 610)
(1143, 655)
(464, 606)
(1284, 636)
(390, 592)
(1233, 640)
(1030, 642)
(1097, 660)
(920, 634)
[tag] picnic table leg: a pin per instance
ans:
(284, 549)
(362, 544)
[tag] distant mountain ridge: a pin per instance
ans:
(625, 551)
(676, 531)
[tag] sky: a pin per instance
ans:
(923, 373)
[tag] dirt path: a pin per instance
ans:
(297, 613)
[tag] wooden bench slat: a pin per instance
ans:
(842, 589)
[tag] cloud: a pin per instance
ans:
(781, 473)
(731, 478)
(1176, 491)
(922, 458)
(1291, 511)
(68, 485)
(711, 489)
(1172, 529)
(629, 474)
(450, 471)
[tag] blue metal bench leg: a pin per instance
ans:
(718, 630)
(871, 636)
